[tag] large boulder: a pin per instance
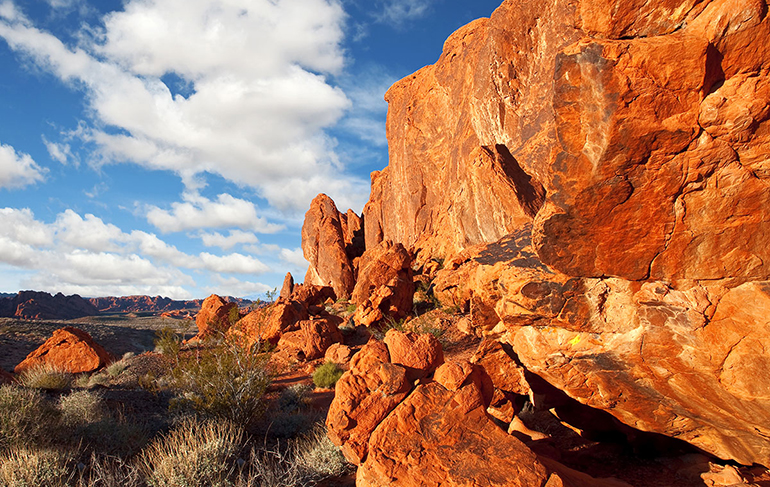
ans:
(69, 349)
(215, 317)
(324, 247)
(385, 286)
(270, 322)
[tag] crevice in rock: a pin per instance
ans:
(529, 192)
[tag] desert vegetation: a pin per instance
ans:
(183, 417)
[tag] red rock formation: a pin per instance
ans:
(288, 286)
(319, 335)
(310, 295)
(215, 317)
(69, 349)
(32, 305)
(385, 286)
(323, 245)
(153, 304)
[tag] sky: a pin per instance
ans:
(172, 147)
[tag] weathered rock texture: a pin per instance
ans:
(215, 317)
(597, 176)
(385, 287)
(69, 349)
(327, 244)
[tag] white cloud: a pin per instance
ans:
(236, 237)
(398, 11)
(18, 169)
(260, 103)
(231, 286)
(198, 212)
(59, 152)
(85, 255)
(295, 257)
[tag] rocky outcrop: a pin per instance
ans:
(270, 322)
(595, 177)
(215, 317)
(385, 286)
(324, 246)
(69, 349)
(312, 338)
(32, 305)
(288, 286)
(310, 295)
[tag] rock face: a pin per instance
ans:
(385, 286)
(596, 176)
(271, 322)
(324, 246)
(288, 286)
(69, 349)
(216, 316)
(32, 305)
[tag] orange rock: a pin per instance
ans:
(270, 322)
(319, 335)
(363, 397)
(420, 354)
(69, 349)
(338, 353)
(385, 286)
(288, 286)
(215, 317)
(311, 295)
(323, 245)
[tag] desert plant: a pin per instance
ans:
(81, 407)
(227, 381)
(23, 467)
(45, 376)
(24, 416)
(305, 462)
(291, 414)
(194, 453)
(117, 368)
(327, 375)
(167, 341)
(108, 471)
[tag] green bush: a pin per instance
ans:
(194, 453)
(327, 375)
(227, 381)
(167, 341)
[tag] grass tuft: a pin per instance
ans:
(327, 375)
(46, 377)
(24, 467)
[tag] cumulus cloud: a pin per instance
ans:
(85, 255)
(18, 169)
(235, 237)
(259, 102)
(197, 212)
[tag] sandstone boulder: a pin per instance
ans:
(319, 335)
(338, 353)
(419, 354)
(323, 245)
(269, 322)
(215, 317)
(312, 295)
(385, 286)
(69, 349)
(363, 397)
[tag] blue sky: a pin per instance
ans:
(172, 147)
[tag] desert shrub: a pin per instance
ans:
(117, 368)
(23, 467)
(327, 375)
(305, 462)
(46, 377)
(81, 407)
(25, 415)
(109, 471)
(194, 453)
(167, 341)
(226, 381)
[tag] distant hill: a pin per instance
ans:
(153, 304)
(35, 305)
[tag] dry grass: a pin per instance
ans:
(25, 416)
(25, 467)
(45, 377)
(194, 453)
